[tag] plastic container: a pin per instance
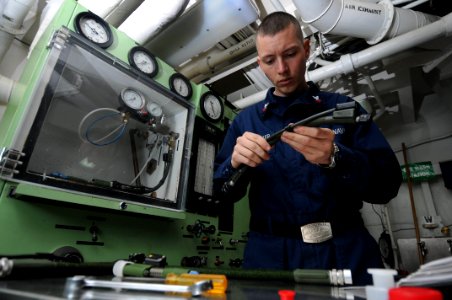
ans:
(286, 294)
(414, 293)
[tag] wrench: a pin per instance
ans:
(75, 284)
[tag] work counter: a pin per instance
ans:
(54, 288)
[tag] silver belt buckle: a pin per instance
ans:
(316, 232)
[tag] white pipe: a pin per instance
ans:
(370, 21)
(151, 17)
(391, 235)
(6, 86)
(415, 3)
(101, 8)
(349, 62)
(11, 19)
(212, 58)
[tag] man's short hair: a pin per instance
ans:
(277, 22)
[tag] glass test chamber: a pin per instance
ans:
(102, 130)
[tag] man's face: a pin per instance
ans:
(282, 57)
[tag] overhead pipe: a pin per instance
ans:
(11, 20)
(350, 62)
(101, 8)
(6, 87)
(207, 62)
(151, 17)
(200, 28)
(373, 22)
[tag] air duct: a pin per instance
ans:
(201, 27)
(6, 87)
(373, 22)
(349, 62)
(151, 17)
(11, 19)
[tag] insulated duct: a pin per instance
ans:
(151, 17)
(6, 87)
(349, 62)
(373, 22)
(11, 20)
(207, 63)
(201, 27)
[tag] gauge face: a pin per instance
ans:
(133, 99)
(180, 85)
(154, 109)
(211, 107)
(94, 29)
(141, 59)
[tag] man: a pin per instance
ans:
(306, 191)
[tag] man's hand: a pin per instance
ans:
(250, 149)
(316, 144)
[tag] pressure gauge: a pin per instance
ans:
(132, 99)
(211, 106)
(154, 109)
(180, 85)
(94, 29)
(141, 59)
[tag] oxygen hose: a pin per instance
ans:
(343, 113)
(311, 276)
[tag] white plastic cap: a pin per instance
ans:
(383, 278)
(118, 267)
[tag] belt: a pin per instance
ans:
(281, 229)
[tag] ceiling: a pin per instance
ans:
(387, 82)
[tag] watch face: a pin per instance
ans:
(133, 99)
(211, 107)
(94, 29)
(141, 59)
(180, 85)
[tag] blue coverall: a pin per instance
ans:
(287, 191)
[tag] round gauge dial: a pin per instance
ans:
(154, 109)
(180, 85)
(141, 59)
(133, 99)
(211, 106)
(94, 29)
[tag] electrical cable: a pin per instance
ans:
(343, 113)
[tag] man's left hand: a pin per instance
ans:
(316, 144)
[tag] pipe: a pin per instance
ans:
(101, 8)
(349, 62)
(200, 28)
(11, 20)
(391, 235)
(6, 87)
(413, 206)
(206, 63)
(151, 17)
(370, 21)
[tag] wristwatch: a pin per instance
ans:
(332, 163)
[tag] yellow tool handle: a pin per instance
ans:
(220, 282)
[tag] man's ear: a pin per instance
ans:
(306, 46)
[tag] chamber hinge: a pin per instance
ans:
(10, 159)
(59, 38)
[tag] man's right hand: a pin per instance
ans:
(250, 149)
